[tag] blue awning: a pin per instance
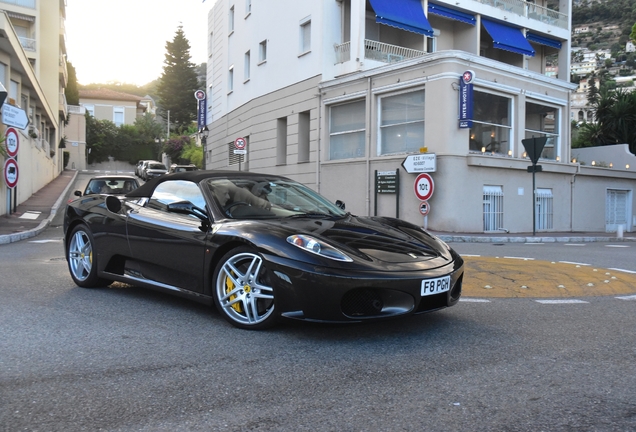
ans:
(533, 37)
(508, 38)
(451, 13)
(404, 14)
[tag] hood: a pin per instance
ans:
(382, 240)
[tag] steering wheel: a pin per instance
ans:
(234, 204)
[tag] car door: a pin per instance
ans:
(169, 247)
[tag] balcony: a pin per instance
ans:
(63, 72)
(24, 3)
(530, 10)
(378, 51)
(63, 106)
(28, 44)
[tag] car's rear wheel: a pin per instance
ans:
(82, 261)
(242, 290)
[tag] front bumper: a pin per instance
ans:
(321, 294)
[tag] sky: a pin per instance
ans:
(125, 40)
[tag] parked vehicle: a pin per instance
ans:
(259, 247)
(109, 185)
(154, 169)
(181, 168)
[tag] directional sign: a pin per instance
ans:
(424, 187)
(425, 207)
(11, 173)
(12, 142)
(14, 116)
(420, 163)
(386, 182)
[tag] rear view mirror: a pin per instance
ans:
(340, 204)
(77, 193)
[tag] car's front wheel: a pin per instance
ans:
(82, 262)
(242, 290)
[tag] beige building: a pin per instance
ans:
(106, 104)
(33, 71)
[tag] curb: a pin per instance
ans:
(16, 237)
(573, 239)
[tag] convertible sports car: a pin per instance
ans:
(259, 247)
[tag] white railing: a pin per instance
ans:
(378, 51)
(27, 44)
(543, 208)
(75, 109)
(24, 3)
(531, 10)
(493, 208)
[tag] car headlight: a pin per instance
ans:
(317, 247)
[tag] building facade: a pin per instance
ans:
(33, 71)
(117, 107)
(337, 95)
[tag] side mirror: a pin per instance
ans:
(340, 204)
(113, 204)
(77, 193)
(187, 208)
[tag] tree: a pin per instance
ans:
(178, 83)
(71, 91)
(100, 138)
(592, 91)
(150, 132)
(632, 35)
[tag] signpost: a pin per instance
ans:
(425, 208)
(14, 116)
(11, 173)
(534, 147)
(239, 146)
(420, 163)
(387, 182)
(200, 96)
(466, 99)
(12, 142)
(424, 187)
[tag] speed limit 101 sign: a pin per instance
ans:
(424, 187)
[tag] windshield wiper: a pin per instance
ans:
(310, 215)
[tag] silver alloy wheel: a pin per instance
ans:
(242, 290)
(80, 255)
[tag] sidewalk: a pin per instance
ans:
(37, 212)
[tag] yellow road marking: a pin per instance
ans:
(501, 277)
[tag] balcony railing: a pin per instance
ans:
(379, 51)
(531, 10)
(27, 44)
(24, 3)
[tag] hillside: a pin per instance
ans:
(609, 23)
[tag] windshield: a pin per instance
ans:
(157, 166)
(244, 198)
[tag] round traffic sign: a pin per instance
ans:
(240, 143)
(12, 141)
(11, 173)
(199, 95)
(425, 207)
(424, 187)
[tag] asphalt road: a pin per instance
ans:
(127, 359)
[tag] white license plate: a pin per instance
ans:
(435, 286)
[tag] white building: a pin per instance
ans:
(333, 92)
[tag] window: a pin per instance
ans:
(543, 209)
(543, 121)
(118, 115)
(491, 123)
(90, 109)
(305, 36)
(303, 137)
(401, 123)
(13, 90)
(3, 73)
(262, 52)
(281, 141)
(246, 72)
(230, 80)
(493, 208)
(231, 20)
(346, 130)
(248, 8)
(173, 191)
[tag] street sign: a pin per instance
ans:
(386, 182)
(534, 168)
(12, 142)
(199, 95)
(11, 173)
(420, 163)
(424, 187)
(14, 116)
(425, 207)
(534, 147)
(239, 146)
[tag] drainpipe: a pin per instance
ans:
(370, 183)
(572, 181)
(318, 166)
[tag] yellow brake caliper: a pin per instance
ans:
(229, 286)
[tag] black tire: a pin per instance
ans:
(81, 259)
(242, 290)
